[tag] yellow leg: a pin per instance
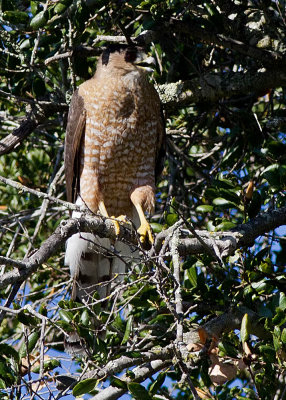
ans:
(115, 220)
(144, 229)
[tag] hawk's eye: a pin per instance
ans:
(130, 55)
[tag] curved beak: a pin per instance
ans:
(146, 63)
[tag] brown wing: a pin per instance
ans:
(161, 145)
(74, 132)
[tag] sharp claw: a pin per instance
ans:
(116, 227)
(150, 236)
(116, 220)
(123, 219)
(145, 231)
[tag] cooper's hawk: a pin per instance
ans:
(114, 141)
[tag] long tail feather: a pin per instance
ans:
(96, 266)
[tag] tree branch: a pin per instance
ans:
(226, 322)
(19, 134)
(242, 235)
(158, 356)
(210, 88)
(103, 227)
(37, 193)
(195, 31)
(79, 51)
(140, 374)
(41, 111)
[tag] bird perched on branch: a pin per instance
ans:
(113, 150)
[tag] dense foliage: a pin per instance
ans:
(221, 77)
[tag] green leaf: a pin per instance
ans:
(272, 175)
(171, 219)
(266, 266)
(32, 341)
(230, 195)
(268, 353)
(221, 202)
(39, 20)
(277, 338)
(138, 391)
(259, 286)
(85, 318)
(118, 323)
(118, 383)
(224, 183)
(228, 349)
(34, 7)
(283, 335)
(127, 330)
(27, 319)
(6, 373)
(204, 208)
(192, 276)
(282, 301)
(157, 383)
(245, 328)
(84, 386)
(62, 6)
(265, 311)
(26, 44)
(8, 351)
(16, 17)
(48, 366)
(66, 316)
(279, 318)
(224, 226)
(162, 318)
(156, 228)
(133, 354)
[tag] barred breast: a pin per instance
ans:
(118, 149)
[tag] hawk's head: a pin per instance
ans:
(126, 58)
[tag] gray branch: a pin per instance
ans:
(147, 364)
(41, 111)
(227, 242)
(212, 87)
(140, 374)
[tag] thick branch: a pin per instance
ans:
(227, 242)
(227, 322)
(40, 113)
(55, 241)
(258, 226)
(242, 235)
(19, 134)
(158, 355)
(211, 88)
(140, 374)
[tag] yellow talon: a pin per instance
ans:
(116, 225)
(123, 219)
(144, 231)
(116, 220)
